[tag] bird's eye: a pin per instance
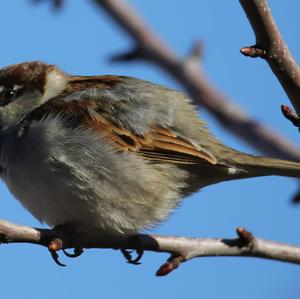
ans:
(8, 94)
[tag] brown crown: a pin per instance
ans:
(31, 75)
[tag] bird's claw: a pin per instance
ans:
(77, 251)
(55, 245)
(128, 256)
(55, 257)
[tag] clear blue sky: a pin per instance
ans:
(80, 39)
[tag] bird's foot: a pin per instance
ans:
(54, 246)
(139, 252)
(128, 256)
(77, 251)
(65, 237)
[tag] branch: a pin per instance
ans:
(152, 49)
(271, 46)
(181, 249)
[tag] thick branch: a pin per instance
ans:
(181, 248)
(275, 50)
(152, 49)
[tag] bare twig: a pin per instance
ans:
(290, 115)
(152, 49)
(181, 249)
(276, 52)
(253, 52)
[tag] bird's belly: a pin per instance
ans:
(53, 198)
(74, 176)
(57, 174)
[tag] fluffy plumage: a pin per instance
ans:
(109, 153)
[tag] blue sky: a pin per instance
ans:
(80, 39)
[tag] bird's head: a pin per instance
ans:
(26, 86)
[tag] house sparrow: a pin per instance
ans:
(108, 153)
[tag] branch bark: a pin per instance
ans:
(274, 50)
(150, 48)
(181, 249)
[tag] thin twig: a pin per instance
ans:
(276, 52)
(181, 249)
(152, 49)
(290, 115)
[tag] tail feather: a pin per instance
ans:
(263, 166)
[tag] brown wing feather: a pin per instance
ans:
(159, 144)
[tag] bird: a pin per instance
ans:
(109, 154)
